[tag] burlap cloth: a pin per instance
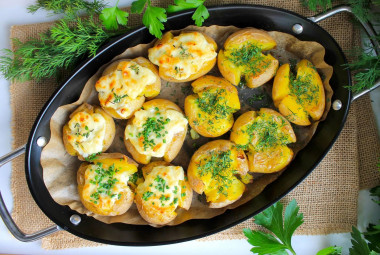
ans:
(327, 198)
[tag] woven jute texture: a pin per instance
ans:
(327, 198)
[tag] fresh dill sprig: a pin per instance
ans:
(365, 68)
(67, 7)
(69, 40)
(60, 48)
(315, 4)
(361, 8)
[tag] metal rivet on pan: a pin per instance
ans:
(41, 141)
(297, 29)
(337, 105)
(75, 219)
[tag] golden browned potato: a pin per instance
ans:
(89, 131)
(164, 190)
(157, 130)
(242, 59)
(265, 135)
(210, 110)
(299, 97)
(103, 184)
(217, 169)
(125, 84)
(184, 57)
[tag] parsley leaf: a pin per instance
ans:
(181, 5)
(200, 15)
(153, 18)
(332, 250)
(282, 229)
(359, 245)
(113, 16)
(138, 6)
(373, 237)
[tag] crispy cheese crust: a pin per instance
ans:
(89, 131)
(184, 57)
(125, 84)
(164, 190)
(158, 130)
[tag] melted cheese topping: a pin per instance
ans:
(118, 89)
(183, 55)
(162, 187)
(153, 130)
(105, 184)
(87, 133)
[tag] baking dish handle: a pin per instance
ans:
(5, 215)
(368, 29)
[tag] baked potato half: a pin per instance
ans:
(158, 130)
(89, 131)
(243, 60)
(164, 190)
(103, 184)
(210, 110)
(125, 84)
(299, 97)
(219, 170)
(265, 135)
(184, 57)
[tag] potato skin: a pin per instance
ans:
(124, 203)
(205, 185)
(176, 144)
(206, 66)
(233, 72)
(264, 160)
(209, 124)
(150, 91)
(154, 213)
(109, 129)
(296, 106)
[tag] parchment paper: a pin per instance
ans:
(59, 168)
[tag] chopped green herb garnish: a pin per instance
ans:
(249, 56)
(160, 184)
(215, 103)
(118, 98)
(105, 181)
(135, 68)
(153, 125)
(147, 195)
(92, 156)
(219, 167)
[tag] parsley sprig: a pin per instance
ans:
(153, 17)
(282, 229)
(200, 15)
(113, 16)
